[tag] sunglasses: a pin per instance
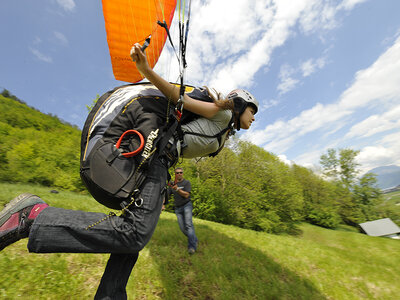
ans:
(178, 172)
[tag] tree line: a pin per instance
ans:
(249, 187)
(244, 185)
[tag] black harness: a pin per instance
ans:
(122, 121)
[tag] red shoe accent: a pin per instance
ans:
(36, 210)
(11, 223)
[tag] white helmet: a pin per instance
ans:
(241, 99)
(243, 95)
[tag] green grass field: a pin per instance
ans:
(393, 198)
(392, 203)
(231, 263)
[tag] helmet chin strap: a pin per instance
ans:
(237, 119)
(239, 107)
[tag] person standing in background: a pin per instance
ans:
(181, 189)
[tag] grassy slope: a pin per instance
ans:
(231, 263)
(393, 198)
(392, 203)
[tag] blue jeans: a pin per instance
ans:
(184, 215)
(62, 230)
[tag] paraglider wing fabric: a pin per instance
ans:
(132, 21)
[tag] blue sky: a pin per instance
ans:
(326, 73)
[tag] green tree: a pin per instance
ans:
(330, 164)
(319, 199)
(250, 188)
(340, 165)
(356, 198)
(217, 191)
(348, 166)
(368, 196)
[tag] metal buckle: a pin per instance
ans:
(139, 202)
(179, 104)
(136, 198)
(179, 109)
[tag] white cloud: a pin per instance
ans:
(37, 40)
(226, 52)
(376, 124)
(319, 15)
(307, 68)
(376, 86)
(287, 82)
(389, 154)
(284, 159)
(349, 4)
(61, 38)
(75, 116)
(41, 56)
(312, 65)
(68, 5)
(266, 104)
(282, 135)
(384, 154)
(288, 74)
(309, 159)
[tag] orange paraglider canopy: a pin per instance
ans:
(133, 21)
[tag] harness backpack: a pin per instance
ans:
(127, 129)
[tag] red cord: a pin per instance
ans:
(133, 153)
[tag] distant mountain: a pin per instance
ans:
(388, 176)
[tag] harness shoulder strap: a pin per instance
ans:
(217, 136)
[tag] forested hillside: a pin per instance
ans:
(244, 185)
(37, 148)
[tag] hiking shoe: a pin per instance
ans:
(191, 251)
(17, 217)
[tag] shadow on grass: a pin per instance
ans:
(223, 268)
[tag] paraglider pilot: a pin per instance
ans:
(54, 230)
